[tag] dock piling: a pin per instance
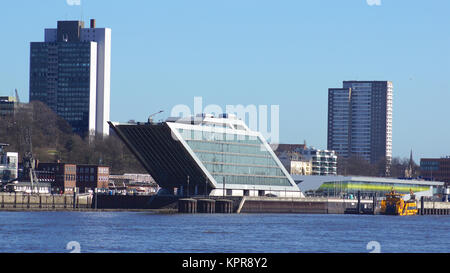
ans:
(374, 204)
(206, 206)
(224, 206)
(358, 208)
(422, 202)
(187, 205)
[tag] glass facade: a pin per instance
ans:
(360, 120)
(235, 158)
(8, 166)
(340, 188)
(60, 77)
(8, 106)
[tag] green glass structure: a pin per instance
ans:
(344, 186)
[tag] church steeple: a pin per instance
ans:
(409, 170)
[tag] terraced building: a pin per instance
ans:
(207, 155)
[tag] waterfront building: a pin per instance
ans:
(348, 186)
(301, 160)
(70, 72)
(435, 169)
(324, 162)
(8, 106)
(91, 177)
(26, 187)
(207, 155)
(140, 178)
(295, 163)
(360, 120)
(61, 175)
(133, 183)
(8, 166)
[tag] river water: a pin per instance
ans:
(142, 232)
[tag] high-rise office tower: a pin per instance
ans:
(360, 120)
(70, 72)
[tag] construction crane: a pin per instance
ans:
(29, 162)
(150, 118)
(17, 96)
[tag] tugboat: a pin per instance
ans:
(396, 205)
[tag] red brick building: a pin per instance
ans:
(436, 169)
(90, 177)
(64, 176)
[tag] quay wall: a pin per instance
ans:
(297, 205)
(434, 208)
(19, 201)
(11, 201)
(122, 202)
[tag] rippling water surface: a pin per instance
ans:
(254, 233)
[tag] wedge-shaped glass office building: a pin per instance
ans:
(218, 156)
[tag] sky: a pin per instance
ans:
(258, 52)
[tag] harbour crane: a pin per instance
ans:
(150, 118)
(29, 162)
(17, 96)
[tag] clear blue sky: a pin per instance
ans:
(259, 52)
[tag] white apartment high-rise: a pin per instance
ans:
(360, 120)
(71, 73)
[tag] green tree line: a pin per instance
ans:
(52, 140)
(355, 165)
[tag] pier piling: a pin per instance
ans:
(206, 206)
(358, 208)
(187, 205)
(422, 205)
(224, 206)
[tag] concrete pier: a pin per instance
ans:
(224, 206)
(315, 205)
(232, 204)
(206, 206)
(433, 208)
(187, 205)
